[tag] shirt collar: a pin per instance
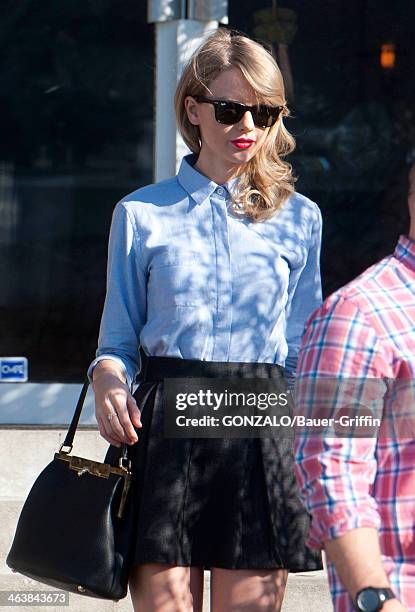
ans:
(197, 185)
(405, 251)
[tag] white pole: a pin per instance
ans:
(175, 42)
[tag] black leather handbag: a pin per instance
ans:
(76, 528)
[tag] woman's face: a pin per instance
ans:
(219, 141)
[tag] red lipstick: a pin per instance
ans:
(242, 143)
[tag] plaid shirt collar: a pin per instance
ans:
(405, 251)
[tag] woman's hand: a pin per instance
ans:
(112, 397)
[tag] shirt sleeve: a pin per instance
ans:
(304, 296)
(336, 474)
(125, 303)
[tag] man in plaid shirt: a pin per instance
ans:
(360, 491)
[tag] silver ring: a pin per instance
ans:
(110, 416)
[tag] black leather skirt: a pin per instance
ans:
(214, 502)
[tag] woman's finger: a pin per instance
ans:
(112, 426)
(122, 424)
(111, 439)
(127, 426)
(134, 412)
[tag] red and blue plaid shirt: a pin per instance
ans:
(366, 330)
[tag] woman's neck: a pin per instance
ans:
(215, 169)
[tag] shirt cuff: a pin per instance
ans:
(326, 525)
(114, 358)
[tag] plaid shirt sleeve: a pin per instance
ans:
(336, 474)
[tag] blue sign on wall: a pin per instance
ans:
(13, 369)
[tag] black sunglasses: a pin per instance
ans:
(229, 113)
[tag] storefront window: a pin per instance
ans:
(348, 69)
(76, 124)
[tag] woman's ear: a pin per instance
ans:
(192, 110)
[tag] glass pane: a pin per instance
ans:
(76, 123)
(348, 69)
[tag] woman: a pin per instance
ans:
(214, 268)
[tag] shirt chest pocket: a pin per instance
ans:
(177, 278)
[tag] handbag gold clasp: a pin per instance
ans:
(87, 466)
(83, 466)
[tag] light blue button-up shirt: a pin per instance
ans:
(189, 278)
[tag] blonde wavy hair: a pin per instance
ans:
(267, 180)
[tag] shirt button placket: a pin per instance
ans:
(223, 318)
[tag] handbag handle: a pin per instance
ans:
(70, 434)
